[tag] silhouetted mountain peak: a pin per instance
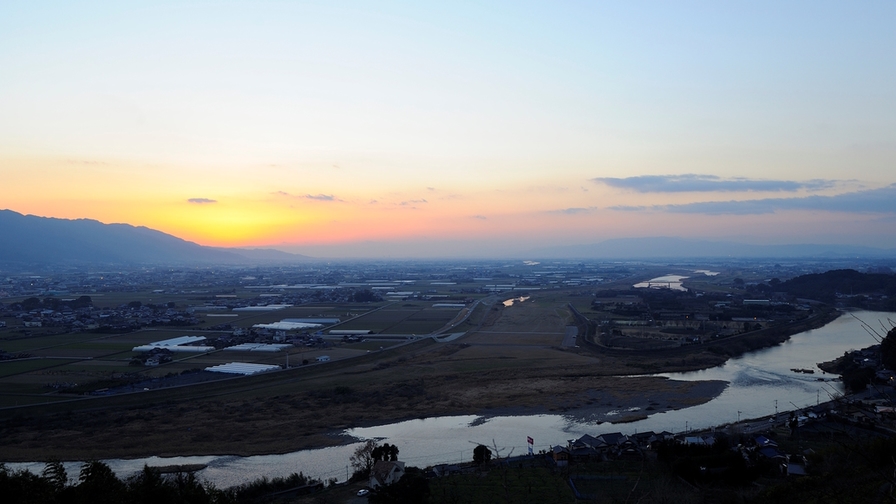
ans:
(29, 239)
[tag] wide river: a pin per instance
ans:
(759, 382)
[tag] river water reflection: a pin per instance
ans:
(756, 380)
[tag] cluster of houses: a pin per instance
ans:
(153, 357)
(756, 448)
(870, 357)
(763, 448)
(292, 295)
(253, 335)
(879, 412)
(610, 446)
(89, 318)
(617, 446)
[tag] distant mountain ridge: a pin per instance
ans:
(677, 248)
(31, 240)
(27, 240)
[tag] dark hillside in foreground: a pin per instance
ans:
(28, 240)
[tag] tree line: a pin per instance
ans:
(97, 484)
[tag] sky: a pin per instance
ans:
(461, 129)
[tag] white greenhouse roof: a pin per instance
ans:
(182, 340)
(270, 307)
(258, 347)
(313, 320)
(174, 348)
(287, 326)
(242, 368)
(180, 344)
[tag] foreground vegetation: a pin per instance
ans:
(97, 484)
(843, 465)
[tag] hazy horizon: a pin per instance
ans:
(63, 241)
(399, 130)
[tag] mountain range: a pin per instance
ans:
(28, 240)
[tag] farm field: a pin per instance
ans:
(403, 318)
(12, 368)
(79, 359)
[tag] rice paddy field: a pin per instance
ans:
(404, 318)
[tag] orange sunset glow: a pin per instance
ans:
(323, 130)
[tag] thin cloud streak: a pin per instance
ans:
(321, 197)
(709, 183)
(201, 201)
(572, 211)
(315, 197)
(874, 201)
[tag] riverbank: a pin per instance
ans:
(317, 419)
(730, 346)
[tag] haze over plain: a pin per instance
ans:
(392, 129)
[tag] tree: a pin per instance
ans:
(51, 303)
(23, 486)
(31, 303)
(54, 473)
(362, 460)
(366, 296)
(888, 350)
(81, 302)
(368, 454)
(481, 455)
(149, 486)
(856, 379)
(98, 484)
(386, 452)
